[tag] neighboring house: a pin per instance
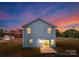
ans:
(39, 33)
(7, 37)
(12, 37)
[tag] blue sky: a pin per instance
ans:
(14, 15)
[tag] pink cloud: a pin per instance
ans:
(4, 15)
(26, 18)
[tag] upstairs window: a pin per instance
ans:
(28, 30)
(49, 30)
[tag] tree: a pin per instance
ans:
(12, 32)
(1, 32)
(16, 33)
(77, 34)
(72, 33)
(58, 34)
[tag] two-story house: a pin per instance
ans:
(39, 33)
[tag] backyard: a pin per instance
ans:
(13, 48)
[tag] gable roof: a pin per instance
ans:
(40, 20)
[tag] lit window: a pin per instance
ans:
(52, 42)
(49, 30)
(40, 41)
(29, 30)
(30, 41)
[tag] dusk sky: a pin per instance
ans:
(63, 15)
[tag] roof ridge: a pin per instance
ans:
(37, 20)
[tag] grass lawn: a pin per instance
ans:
(67, 47)
(14, 48)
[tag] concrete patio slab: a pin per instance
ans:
(48, 50)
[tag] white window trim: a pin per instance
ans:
(49, 30)
(30, 41)
(52, 41)
(29, 30)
